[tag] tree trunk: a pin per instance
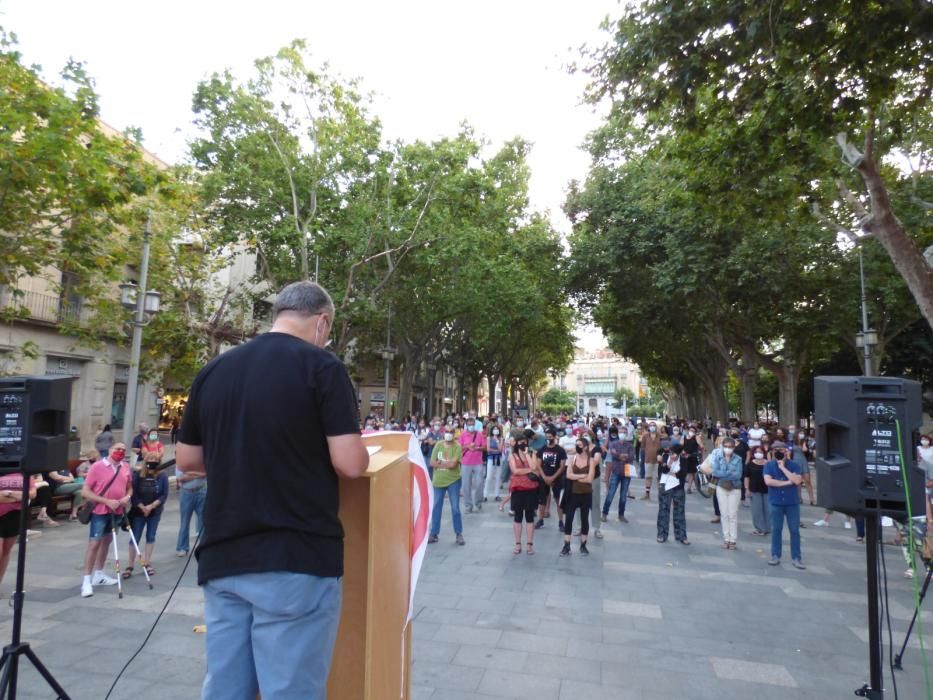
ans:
(474, 401)
(788, 376)
(406, 380)
(748, 380)
(903, 251)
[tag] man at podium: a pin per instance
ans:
(273, 423)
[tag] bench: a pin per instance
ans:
(66, 499)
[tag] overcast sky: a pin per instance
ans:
(501, 66)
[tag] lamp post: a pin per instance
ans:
(867, 338)
(145, 304)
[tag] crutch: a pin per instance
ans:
(116, 555)
(139, 555)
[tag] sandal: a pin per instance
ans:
(518, 548)
(149, 570)
(685, 542)
(530, 549)
(127, 572)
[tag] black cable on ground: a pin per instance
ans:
(158, 618)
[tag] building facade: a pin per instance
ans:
(595, 377)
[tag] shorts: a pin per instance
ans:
(556, 489)
(102, 525)
(138, 522)
(9, 524)
(804, 467)
(524, 503)
(651, 470)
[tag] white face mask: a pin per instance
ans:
(692, 433)
(925, 443)
(759, 455)
(448, 436)
(727, 451)
(495, 432)
(652, 429)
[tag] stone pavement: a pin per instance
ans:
(633, 620)
(638, 619)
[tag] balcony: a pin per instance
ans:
(44, 308)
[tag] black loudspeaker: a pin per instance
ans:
(864, 427)
(34, 423)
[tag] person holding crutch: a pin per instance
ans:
(108, 485)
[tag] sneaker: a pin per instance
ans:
(632, 496)
(479, 508)
(746, 504)
(774, 561)
(181, 553)
(87, 590)
(584, 552)
(577, 533)
(432, 539)
(498, 499)
(623, 519)
(909, 573)
(848, 525)
(565, 552)
(798, 564)
(102, 579)
(821, 523)
(646, 497)
(539, 524)
(598, 534)
(603, 517)
(469, 509)
(716, 519)
(460, 540)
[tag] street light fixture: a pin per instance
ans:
(146, 305)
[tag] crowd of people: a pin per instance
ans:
(123, 489)
(579, 466)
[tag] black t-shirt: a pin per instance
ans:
(551, 457)
(262, 412)
(741, 449)
(756, 478)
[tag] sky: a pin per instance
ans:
(501, 66)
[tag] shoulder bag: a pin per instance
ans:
(87, 508)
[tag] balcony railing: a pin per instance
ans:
(46, 308)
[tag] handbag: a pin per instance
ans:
(87, 508)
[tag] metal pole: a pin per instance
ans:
(866, 348)
(872, 532)
(132, 387)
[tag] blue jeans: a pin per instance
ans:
(616, 480)
(453, 491)
(792, 514)
(102, 525)
(272, 633)
(190, 502)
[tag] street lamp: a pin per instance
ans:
(430, 368)
(145, 304)
(867, 338)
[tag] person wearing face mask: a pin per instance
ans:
(152, 450)
(692, 453)
(596, 453)
(782, 478)
(518, 429)
(618, 473)
(581, 473)
(671, 488)
(650, 451)
(552, 458)
(274, 425)
(523, 491)
(755, 434)
(434, 436)
(446, 460)
(726, 467)
(494, 448)
(473, 443)
(801, 456)
(757, 492)
(925, 462)
(108, 484)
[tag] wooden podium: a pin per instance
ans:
(372, 656)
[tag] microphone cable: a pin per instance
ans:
(171, 594)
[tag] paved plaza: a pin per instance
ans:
(633, 620)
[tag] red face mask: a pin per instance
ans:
(118, 455)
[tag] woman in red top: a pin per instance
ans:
(524, 493)
(11, 503)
